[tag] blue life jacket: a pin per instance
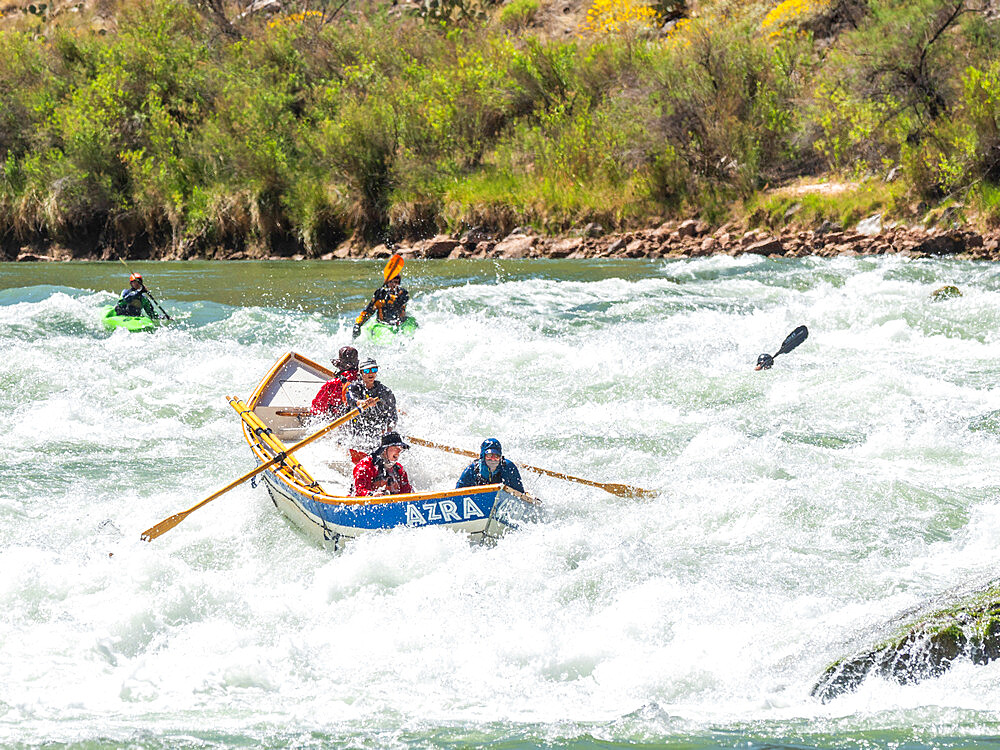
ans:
(478, 473)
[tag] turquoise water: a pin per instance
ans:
(800, 509)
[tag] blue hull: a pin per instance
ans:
(484, 513)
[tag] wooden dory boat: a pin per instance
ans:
(317, 499)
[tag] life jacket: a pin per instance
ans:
(333, 395)
(388, 304)
(393, 477)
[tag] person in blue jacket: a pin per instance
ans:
(132, 302)
(491, 468)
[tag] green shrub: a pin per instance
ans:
(985, 200)
(720, 113)
(884, 91)
(518, 14)
(292, 132)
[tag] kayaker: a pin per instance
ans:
(388, 303)
(766, 361)
(332, 396)
(133, 303)
(368, 427)
(379, 473)
(491, 468)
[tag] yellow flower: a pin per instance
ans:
(278, 22)
(613, 16)
(789, 12)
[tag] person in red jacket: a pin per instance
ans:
(330, 401)
(378, 473)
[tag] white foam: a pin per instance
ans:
(799, 508)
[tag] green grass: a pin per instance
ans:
(502, 200)
(846, 207)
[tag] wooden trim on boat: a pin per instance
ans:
(325, 499)
(277, 367)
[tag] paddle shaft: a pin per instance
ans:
(165, 315)
(168, 523)
(622, 490)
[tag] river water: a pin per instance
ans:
(800, 508)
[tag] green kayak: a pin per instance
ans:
(130, 322)
(382, 332)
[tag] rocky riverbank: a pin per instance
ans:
(692, 238)
(673, 239)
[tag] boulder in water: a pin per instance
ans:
(946, 292)
(925, 646)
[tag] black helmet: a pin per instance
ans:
(764, 362)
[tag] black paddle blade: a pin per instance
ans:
(793, 339)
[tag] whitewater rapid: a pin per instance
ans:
(799, 508)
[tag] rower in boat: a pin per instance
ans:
(491, 468)
(380, 473)
(388, 303)
(321, 504)
(377, 419)
(331, 400)
(133, 303)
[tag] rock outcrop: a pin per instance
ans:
(685, 239)
(691, 239)
(925, 644)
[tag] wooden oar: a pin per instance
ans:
(168, 523)
(622, 490)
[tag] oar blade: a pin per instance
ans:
(622, 490)
(793, 339)
(393, 267)
(157, 303)
(627, 490)
(163, 526)
(168, 523)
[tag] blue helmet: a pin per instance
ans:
(490, 445)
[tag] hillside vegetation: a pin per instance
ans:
(178, 128)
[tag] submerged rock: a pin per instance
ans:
(925, 645)
(946, 292)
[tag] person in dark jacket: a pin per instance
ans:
(491, 468)
(379, 473)
(331, 400)
(388, 304)
(368, 427)
(133, 302)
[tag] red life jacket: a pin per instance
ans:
(371, 473)
(333, 394)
